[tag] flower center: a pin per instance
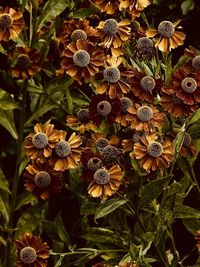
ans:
(81, 58)
(155, 149)
(189, 85)
(94, 164)
(101, 143)
(126, 103)
(78, 35)
(104, 108)
(196, 62)
(83, 115)
(111, 26)
(111, 74)
(137, 136)
(23, 62)
(144, 43)
(6, 21)
(144, 113)
(166, 28)
(101, 177)
(62, 149)
(147, 83)
(42, 179)
(109, 153)
(187, 139)
(28, 255)
(40, 140)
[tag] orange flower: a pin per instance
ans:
(110, 7)
(134, 7)
(188, 149)
(121, 118)
(169, 38)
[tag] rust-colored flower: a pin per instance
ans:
(144, 49)
(126, 103)
(42, 180)
(114, 34)
(11, 24)
(40, 143)
(105, 182)
(134, 7)
(32, 251)
(114, 83)
(25, 62)
(67, 153)
(169, 38)
(197, 238)
(144, 117)
(100, 140)
(129, 143)
(110, 7)
(82, 59)
(188, 149)
(153, 154)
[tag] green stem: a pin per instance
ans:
(173, 244)
(193, 176)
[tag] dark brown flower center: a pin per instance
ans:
(196, 62)
(62, 149)
(110, 153)
(166, 29)
(42, 179)
(111, 74)
(6, 21)
(78, 35)
(83, 115)
(104, 108)
(23, 62)
(40, 140)
(28, 255)
(94, 164)
(81, 58)
(101, 143)
(137, 136)
(144, 44)
(144, 113)
(101, 177)
(147, 83)
(189, 85)
(187, 139)
(126, 103)
(111, 26)
(155, 149)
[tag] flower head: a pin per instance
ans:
(110, 7)
(134, 7)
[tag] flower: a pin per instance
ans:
(144, 117)
(81, 122)
(114, 34)
(121, 118)
(113, 82)
(105, 182)
(40, 143)
(197, 238)
(100, 140)
(82, 59)
(169, 38)
(31, 251)
(144, 87)
(129, 143)
(67, 153)
(11, 24)
(153, 154)
(100, 108)
(110, 7)
(134, 7)
(42, 180)
(25, 62)
(188, 149)
(144, 49)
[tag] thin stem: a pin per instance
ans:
(173, 244)
(193, 176)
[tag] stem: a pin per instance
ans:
(173, 244)
(193, 176)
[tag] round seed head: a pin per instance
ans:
(62, 149)
(40, 140)
(147, 83)
(110, 26)
(81, 58)
(126, 103)
(110, 153)
(155, 149)
(23, 62)
(42, 179)
(28, 255)
(94, 164)
(78, 35)
(144, 43)
(104, 108)
(166, 29)
(111, 74)
(101, 143)
(83, 115)
(6, 21)
(144, 113)
(196, 62)
(187, 139)
(189, 85)
(137, 136)
(101, 177)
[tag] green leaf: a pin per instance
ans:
(6, 101)
(50, 11)
(152, 190)
(3, 209)
(109, 206)
(69, 101)
(2, 50)
(195, 116)
(192, 225)
(186, 212)
(24, 199)
(4, 183)
(99, 235)
(7, 121)
(186, 6)
(83, 13)
(62, 233)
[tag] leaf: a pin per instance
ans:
(186, 6)
(4, 183)
(3, 209)
(24, 199)
(195, 116)
(69, 101)
(62, 233)
(7, 121)
(6, 101)
(100, 235)
(109, 206)
(186, 212)
(192, 225)
(50, 11)
(152, 190)
(83, 13)
(2, 50)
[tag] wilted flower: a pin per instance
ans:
(110, 7)
(135, 7)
